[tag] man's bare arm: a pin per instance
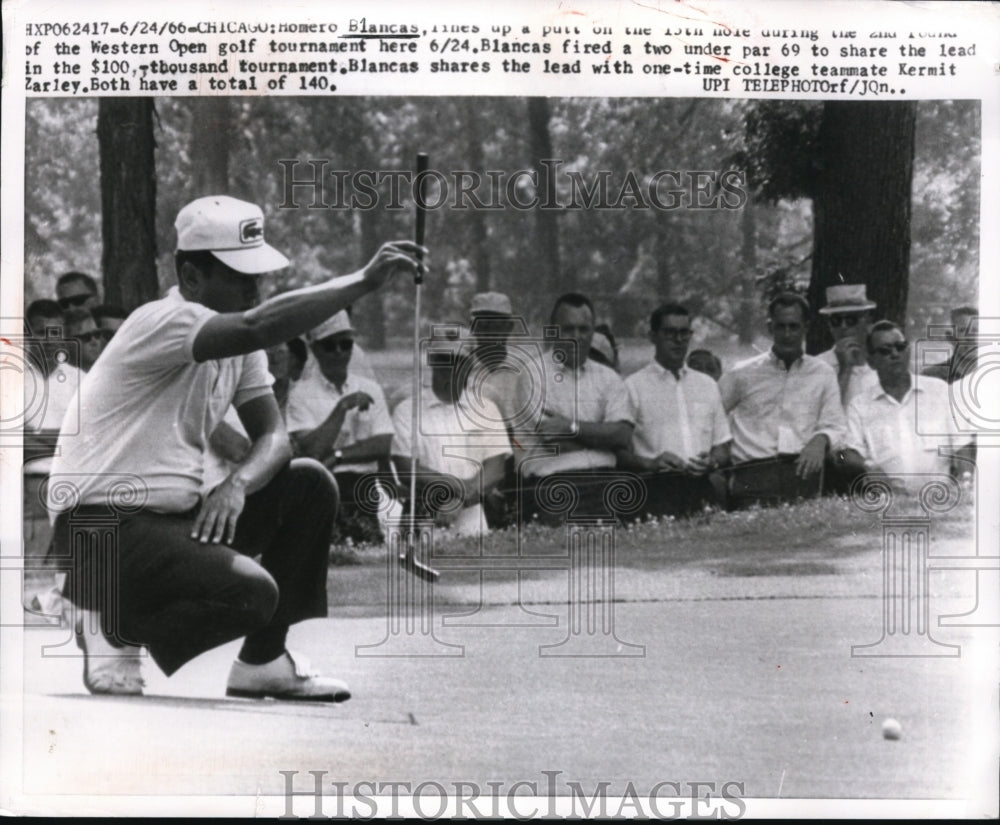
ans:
(294, 313)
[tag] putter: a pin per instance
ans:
(409, 559)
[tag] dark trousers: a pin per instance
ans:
(180, 597)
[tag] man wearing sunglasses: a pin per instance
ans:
(81, 327)
(340, 419)
(849, 314)
(77, 289)
(898, 426)
(184, 576)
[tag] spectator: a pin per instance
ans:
(109, 317)
(186, 579)
(42, 316)
(849, 314)
(586, 415)
(964, 357)
(285, 362)
(680, 424)
(882, 431)
(703, 360)
(497, 373)
(51, 380)
(81, 327)
(77, 289)
(453, 439)
(784, 402)
(341, 420)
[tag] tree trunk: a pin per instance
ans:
(547, 268)
(746, 319)
(128, 200)
(211, 133)
(471, 112)
(862, 206)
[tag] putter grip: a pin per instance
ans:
(421, 199)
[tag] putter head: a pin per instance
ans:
(422, 571)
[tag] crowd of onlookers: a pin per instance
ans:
(500, 411)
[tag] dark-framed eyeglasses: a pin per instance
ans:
(332, 345)
(93, 335)
(888, 349)
(74, 300)
(844, 320)
(676, 334)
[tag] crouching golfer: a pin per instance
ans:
(183, 579)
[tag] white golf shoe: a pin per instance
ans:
(106, 669)
(288, 677)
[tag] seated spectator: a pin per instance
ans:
(50, 379)
(341, 420)
(586, 416)
(81, 327)
(882, 431)
(784, 402)
(77, 289)
(603, 348)
(680, 424)
(109, 317)
(849, 315)
(453, 440)
(705, 361)
(496, 373)
(285, 362)
(964, 356)
(43, 315)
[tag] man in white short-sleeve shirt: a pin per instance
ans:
(904, 426)
(586, 416)
(680, 424)
(456, 436)
(340, 419)
(184, 577)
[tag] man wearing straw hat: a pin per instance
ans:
(848, 313)
(182, 579)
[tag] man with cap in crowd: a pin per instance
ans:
(495, 371)
(848, 313)
(458, 436)
(184, 576)
(340, 419)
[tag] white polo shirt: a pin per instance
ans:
(901, 437)
(683, 416)
(312, 399)
(862, 377)
(147, 408)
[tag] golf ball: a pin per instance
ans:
(891, 729)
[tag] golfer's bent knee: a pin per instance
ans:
(258, 591)
(315, 478)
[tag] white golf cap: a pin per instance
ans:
(232, 230)
(340, 322)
